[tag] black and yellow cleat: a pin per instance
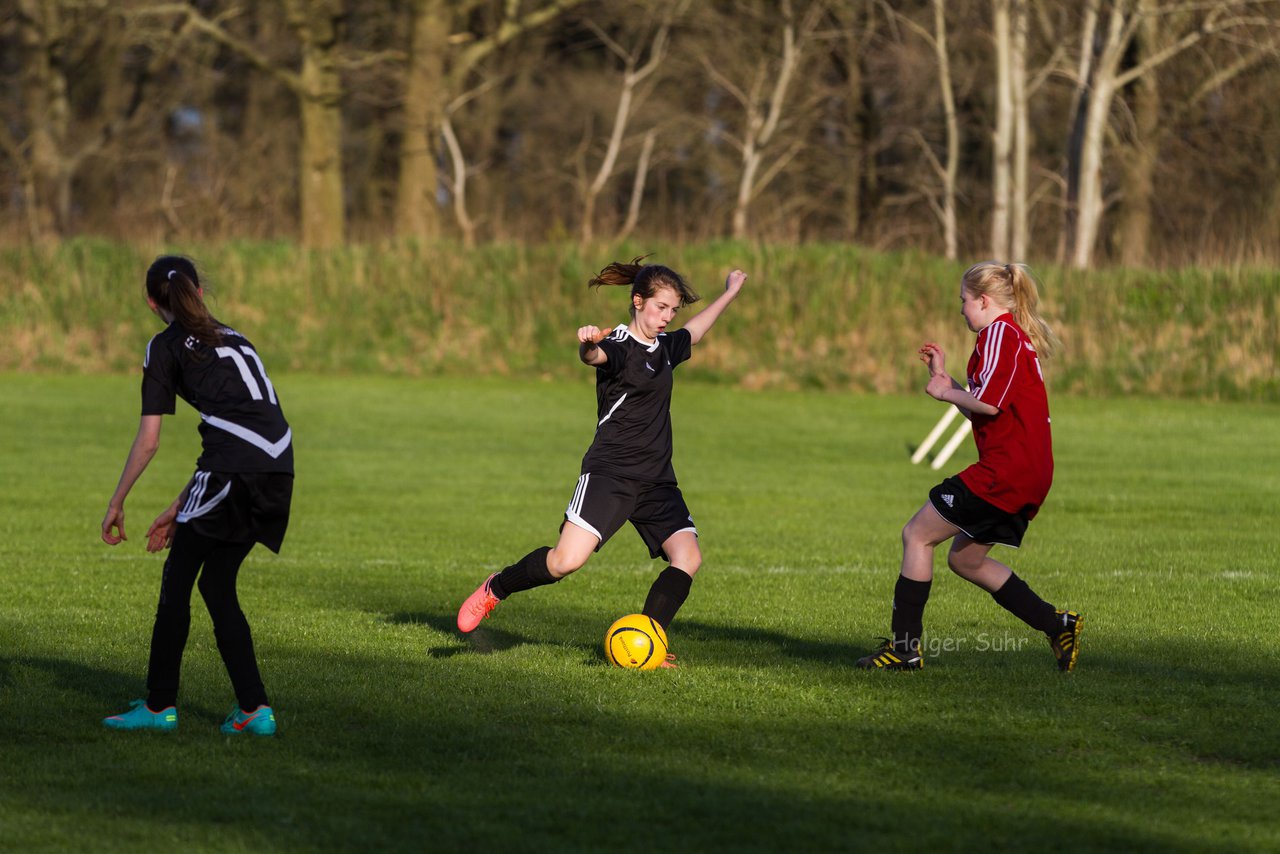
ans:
(1065, 640)
(887, 657)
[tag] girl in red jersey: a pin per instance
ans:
(993, 500)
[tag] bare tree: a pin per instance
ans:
(438, 68)
(61, 137)
(1150, 116)
(1106, 39)
(764, 99)
(317, 85)
(1002, 138)
(633, 75)
(947, 169)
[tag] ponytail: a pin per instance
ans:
(1013, 286)
(1026, 310)
(174, 285)
(644, 279)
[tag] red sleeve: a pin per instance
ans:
(998, 350)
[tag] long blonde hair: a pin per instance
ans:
(1012, 285)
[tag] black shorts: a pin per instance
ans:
(239, 507)
(980, 521)
(601, 504)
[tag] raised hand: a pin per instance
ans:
(733, 283)
(593, 334)
(931, 354)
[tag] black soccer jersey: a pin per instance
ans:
(242, 427)
(633, 406)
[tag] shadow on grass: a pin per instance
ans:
(442, 752)
(109, 689)
(488, 639)
(485, 640)
(790, 646)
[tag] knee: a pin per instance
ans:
(962, 565)
(217, 597)
(690, 561)
(561, 562)
(912, 535)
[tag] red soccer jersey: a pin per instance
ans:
(1015, 449)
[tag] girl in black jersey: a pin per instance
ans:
(239, 495)
(626, 473)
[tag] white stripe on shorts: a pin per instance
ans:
(195, 508)
(579, 493)
(575, 508)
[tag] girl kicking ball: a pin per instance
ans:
(626, 473)
(240, 493)
(993, 500)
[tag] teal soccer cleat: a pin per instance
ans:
(261, 721)
(141, 717)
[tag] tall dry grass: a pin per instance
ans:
(827, 316)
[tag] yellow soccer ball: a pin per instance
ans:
(636, 642)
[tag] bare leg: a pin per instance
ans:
(968, 559)
(683, 551)
(919, 538)
(572, 551)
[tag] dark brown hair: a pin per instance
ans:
(644, 279)
(174, 285)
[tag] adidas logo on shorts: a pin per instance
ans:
(950, 500)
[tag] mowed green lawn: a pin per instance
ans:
(399, 733)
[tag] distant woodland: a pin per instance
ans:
(1084, 132)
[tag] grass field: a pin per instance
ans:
(399, 734)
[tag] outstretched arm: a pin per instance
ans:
(701, 323)
(942, 387)
(144, 448)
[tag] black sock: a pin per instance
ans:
(528, 572)
(909, 598)
(667, 594)
(1021, 601)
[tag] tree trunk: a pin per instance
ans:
(417, 214)
(855, 99)
(759, 128)
(48, 116)
(1138, 158)
(1002, 139)
(321, 193)
(951, 167)
(1075, 131)
(1018, 213)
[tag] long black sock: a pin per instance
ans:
(909, 598)
(667, 594)
(528, 572)
(1021, 601)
